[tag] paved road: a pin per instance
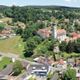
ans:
(11, 55)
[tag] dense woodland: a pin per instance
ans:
(35, 17)
(27, 14)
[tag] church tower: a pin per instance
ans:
(54, 30)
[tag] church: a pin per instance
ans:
(59, 34)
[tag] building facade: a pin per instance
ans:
(55, 33)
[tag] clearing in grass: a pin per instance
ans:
(12, 45)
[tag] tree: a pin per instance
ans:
(31, 30)
(63, 46)
(77, 46)
(28, 53)
(1, 27)
(19, 31)
(17, 68)
(70, 74)
(70, 47)
(78, 40)
(31, 44)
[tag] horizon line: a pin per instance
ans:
(42, 5)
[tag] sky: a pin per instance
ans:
(70, 3)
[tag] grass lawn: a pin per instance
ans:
(5, 19)
(66, 55)
(12, 45)
(4, 62)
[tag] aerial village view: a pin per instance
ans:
(39, 39)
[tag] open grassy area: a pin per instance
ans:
(12, 45)
(5, 19)
(4, 62)
(67, 55)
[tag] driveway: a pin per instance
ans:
(11, 55)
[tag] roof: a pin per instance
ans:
(78, 75)
(36, 59)
(37, 67)
(61, 31)
(44, 60)
(46, 32)
(75, 35)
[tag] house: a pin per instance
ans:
(6, 33)
(6, 30)
(62, 64)
(44, 60)
(77, 72)
(75, 35)
(38, 69)
(71, 61)
(78, 76)
(59, 34)
(44, 33)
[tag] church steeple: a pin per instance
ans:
(73, 28)
(54, 30)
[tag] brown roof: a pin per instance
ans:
(47, 32)
(61, 31)
(75, 35)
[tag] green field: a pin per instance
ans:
(12, 45)
(4, 62)
(67, 55)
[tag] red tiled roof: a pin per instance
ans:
(46, 32)
(59, 31)
(75, 35)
